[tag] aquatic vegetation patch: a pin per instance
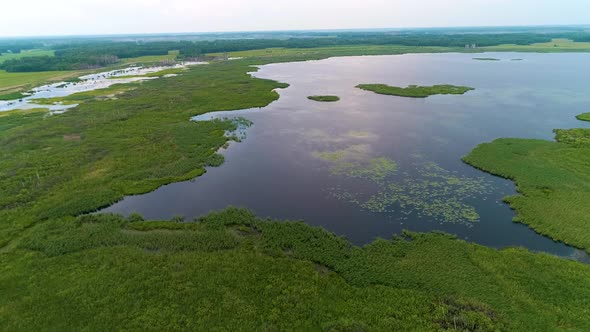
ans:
(330, 156)
(352, 152)
(358, 134)
(239, 130)
(354, 162)
(432, 192)
(415, 91)
(486, 59)
(324, 98)
(583, 117)
(374, 169)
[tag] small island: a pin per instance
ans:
(583, 117)
(415, 91)
(486, 59)
(324, 98)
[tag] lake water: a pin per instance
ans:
(372, 165)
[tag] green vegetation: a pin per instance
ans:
(111, 92)
(103, 150)
(324, 98)
(231, 270)
(171, 56)
(234, 271)
(415, 91)
(583, 117)
(486, 59)
(23, 54)
(12, 84)
(558, 45)
(12, 96)
(161, 73)
(11, 119)
(553, 180)
(89, 54)
(342, 50)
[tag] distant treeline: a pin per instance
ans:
(92, 54)
(18, 46)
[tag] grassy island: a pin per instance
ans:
(553, 179)
(415, 91)
(583, 117)
(324, 98)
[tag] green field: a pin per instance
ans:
(563, 45)
(151, 59)
(324, 98)
(233, 271)
(324, 52)
(26, 53)
(557, 45)
(20, 82)
(415, 91)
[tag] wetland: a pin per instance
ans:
(374, 165)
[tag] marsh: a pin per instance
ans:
(373, 165)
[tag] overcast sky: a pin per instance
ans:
(76, 17)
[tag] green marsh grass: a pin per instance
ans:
(553, 180)
(324, 98)
(130, 145)
(415, 91)
(232, 270)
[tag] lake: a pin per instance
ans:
(372, 165)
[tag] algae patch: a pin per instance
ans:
(422, 189)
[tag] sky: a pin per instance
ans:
(84, 17)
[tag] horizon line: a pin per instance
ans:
(180, 33)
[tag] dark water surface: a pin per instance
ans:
(372, 165)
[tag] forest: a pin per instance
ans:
(87, 54)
